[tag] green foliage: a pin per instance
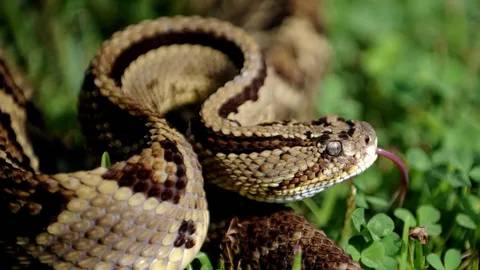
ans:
(451, 261)
(428, 217)
(105, 161)
(375, 243)
(358, 218)
(54, 42)
(465, 221)
(373, 255)
(204, 261)
(297, 260)
(380, 225)
(411, 68)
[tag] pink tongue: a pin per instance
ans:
(400, 194)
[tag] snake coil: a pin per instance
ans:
(149, 209)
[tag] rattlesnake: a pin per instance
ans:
(149, 210)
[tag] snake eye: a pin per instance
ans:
(334, 148)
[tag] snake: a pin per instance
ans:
(149, 209)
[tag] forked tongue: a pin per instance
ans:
(402, 191)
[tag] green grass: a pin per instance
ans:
(411, 68)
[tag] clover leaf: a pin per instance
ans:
(380, 225)
(358, 218)
(373, 255)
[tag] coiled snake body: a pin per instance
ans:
(149, 211)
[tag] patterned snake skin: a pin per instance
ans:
(150, 210)
(278, 235)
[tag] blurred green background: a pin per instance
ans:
(409, 67)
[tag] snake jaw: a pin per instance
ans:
(370, 156)
(365, 149)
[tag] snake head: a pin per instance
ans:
(358, 146)
(346, 148)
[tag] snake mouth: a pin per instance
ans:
(368, 160)
(370, 157)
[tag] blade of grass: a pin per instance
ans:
(297, 259)
(105, 162)
(347, 228)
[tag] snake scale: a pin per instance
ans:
(148, 210)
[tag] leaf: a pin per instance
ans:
(434, 260)
(475, 174)
(433, 229)
(392, 244)
(454, 180)
(379, 202)
(105, 161)
(452, 259)
(380, 225)
(358, 218)
(464, 177)
(204, 261)
(462, 158)
(418, 159)
(406, 216)
(359, 242)
(441, 156)
(427, 214)
(465, 221)
(389, 263)
(360, 201)
(373, 255)
(350, 249)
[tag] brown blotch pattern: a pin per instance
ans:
(322, 121)
(343, 135)
(249, 93)
(238, 145)
(28, 204)
(351, 131)
(139, 176)
(8, 84)
(8, 143)
(324, 137)
(185, 232)
(146, 44)
(270, 241)
(221, 143)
